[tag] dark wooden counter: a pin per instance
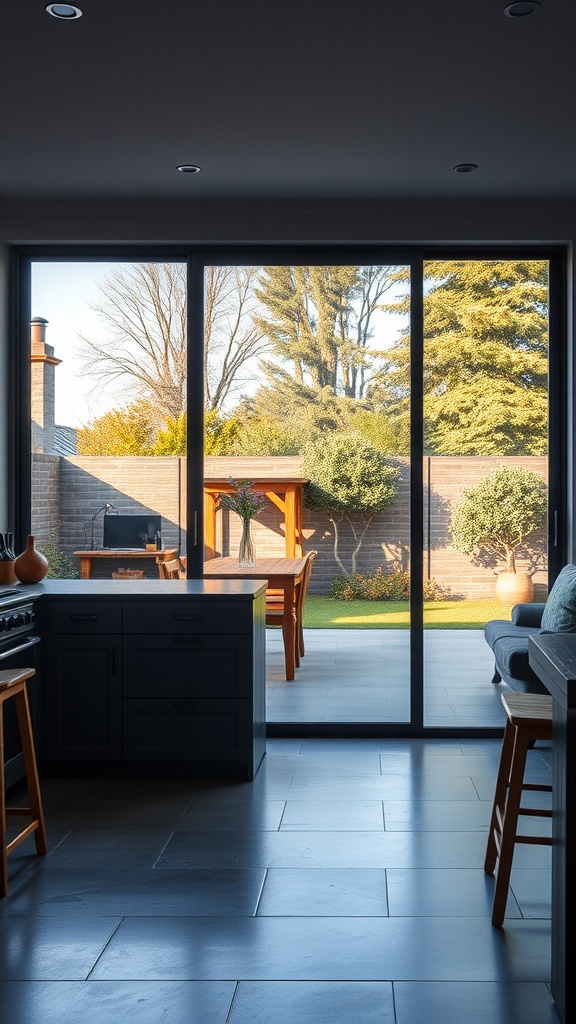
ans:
(553, 658)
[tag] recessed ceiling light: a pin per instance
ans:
(66, 12)
(465, 168)
(522, 8)
(188, 168)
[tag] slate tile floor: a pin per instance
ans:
(362, 675)
(344, 884)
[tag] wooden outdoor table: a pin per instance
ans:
(283, 574)
(87, 557)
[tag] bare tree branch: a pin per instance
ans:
(143, 311)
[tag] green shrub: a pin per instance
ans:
(60, 565)
(381, 586)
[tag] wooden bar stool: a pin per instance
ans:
(13, 685)
(528, 718)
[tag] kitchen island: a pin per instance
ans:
(162, 675)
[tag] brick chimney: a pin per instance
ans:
(42, 387)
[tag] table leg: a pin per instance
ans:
(289, 629)
(85, 564)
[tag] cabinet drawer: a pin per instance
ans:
(187, 730)
(85, 617)
(187, 666)
(187, 617)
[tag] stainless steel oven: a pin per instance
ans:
(18, 649)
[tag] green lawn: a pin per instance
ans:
(325, 613)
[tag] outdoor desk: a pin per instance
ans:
(87, 557)
(553, 658)
(283, 574)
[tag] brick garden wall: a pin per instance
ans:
(46, 498)
(68, 490)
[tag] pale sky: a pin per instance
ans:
(60, 294)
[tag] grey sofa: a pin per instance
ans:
(508, 639)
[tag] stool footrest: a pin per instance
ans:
(535, 812)
(28, 831)
(534, 840)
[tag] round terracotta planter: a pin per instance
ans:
(514, 588)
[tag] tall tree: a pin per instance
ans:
(485, 358)
(319, 322)
(232, 341)
(143, 311)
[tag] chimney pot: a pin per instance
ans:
(38, 330)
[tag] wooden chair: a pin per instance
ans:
(13, 686)
(275, 607)
(171, 569)
(528, 718)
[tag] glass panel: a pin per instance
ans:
(108, 401)
(307, 379)
(485, 471)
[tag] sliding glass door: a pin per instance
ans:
(383, 407)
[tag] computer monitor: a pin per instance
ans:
(131, 531)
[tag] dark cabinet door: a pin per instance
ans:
(83, 700)
(187, 665)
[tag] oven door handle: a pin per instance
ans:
(29, 642)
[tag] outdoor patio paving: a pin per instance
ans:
(356, 675)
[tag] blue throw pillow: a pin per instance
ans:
(559, 614)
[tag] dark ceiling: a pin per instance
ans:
(287, 99)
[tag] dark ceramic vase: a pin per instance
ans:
(30, 566)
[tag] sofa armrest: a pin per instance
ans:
(528, 614)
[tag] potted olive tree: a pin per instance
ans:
(495, 519)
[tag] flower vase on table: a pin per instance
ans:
(246, 503)
(246, 558)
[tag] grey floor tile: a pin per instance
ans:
(92, 848)
(314, 892)
(397, 787)
(109, 1002)
(203, 891)
(443, 892)
(473, 1003)
(309, 1002)
(436, 815)
(36, 948)
(265, 815)
(319, 849)
(532, 888)
(325, 949)
(333, 815)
